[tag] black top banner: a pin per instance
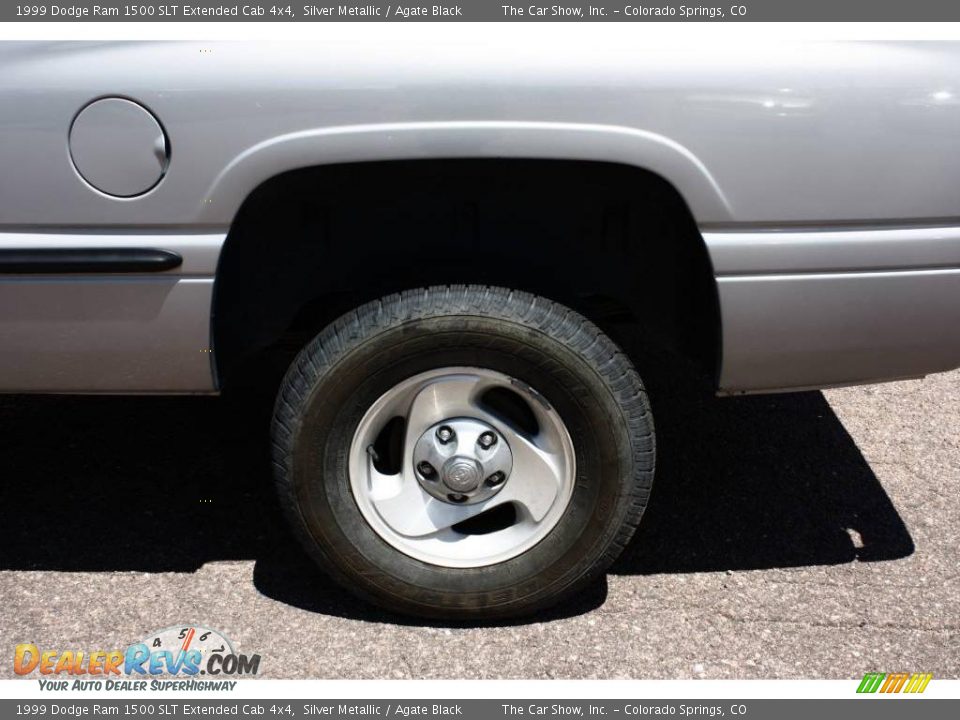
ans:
(489, 10)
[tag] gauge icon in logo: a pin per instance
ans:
(184, 638)
(189, 649)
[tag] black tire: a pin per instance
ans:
(566, 358)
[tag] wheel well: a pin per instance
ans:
(611, 241)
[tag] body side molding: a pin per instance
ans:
(87, 260)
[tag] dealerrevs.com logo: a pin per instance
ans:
(184, 651)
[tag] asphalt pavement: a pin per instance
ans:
(810, 535)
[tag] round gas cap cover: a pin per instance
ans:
(119, 147)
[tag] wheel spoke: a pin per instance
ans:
(444, 398)
(537, 475)
(413, 512)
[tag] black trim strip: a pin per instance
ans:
(87, 260)
(798, 226)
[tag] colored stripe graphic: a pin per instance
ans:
(871, 682)
(894, 682)
(898, 684)
(918, 682)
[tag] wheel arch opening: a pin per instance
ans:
(615, 242)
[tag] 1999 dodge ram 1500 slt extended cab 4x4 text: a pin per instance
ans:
(446, 226)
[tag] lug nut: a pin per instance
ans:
(445, 434)
(426, 469)
(456, 497)
(495, 479)
(487, 440)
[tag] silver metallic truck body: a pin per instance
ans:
(823, 177)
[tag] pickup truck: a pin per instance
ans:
(440, 233)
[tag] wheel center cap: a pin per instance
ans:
(462, 474)
(462, 460)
